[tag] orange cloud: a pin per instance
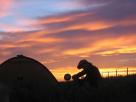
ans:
(130, 49)
(123, 45)
(42, 40)
(55, 25)
(10, 45)
(90, 25)
(59, 18)
(7, 45)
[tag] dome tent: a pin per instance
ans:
(27, 67)
(22, 71)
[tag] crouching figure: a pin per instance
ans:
(91, 73)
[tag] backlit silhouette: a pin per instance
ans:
(92, 73)
(26, 75)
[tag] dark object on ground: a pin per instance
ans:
(67, 77)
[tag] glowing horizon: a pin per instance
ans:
(105, 72)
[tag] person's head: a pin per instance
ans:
(82, 64)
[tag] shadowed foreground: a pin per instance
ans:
(118, 89)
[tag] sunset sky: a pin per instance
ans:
(59, 33)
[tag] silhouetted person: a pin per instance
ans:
(92, 73)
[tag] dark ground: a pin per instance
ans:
(113, 89)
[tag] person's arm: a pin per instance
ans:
(78, 75)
